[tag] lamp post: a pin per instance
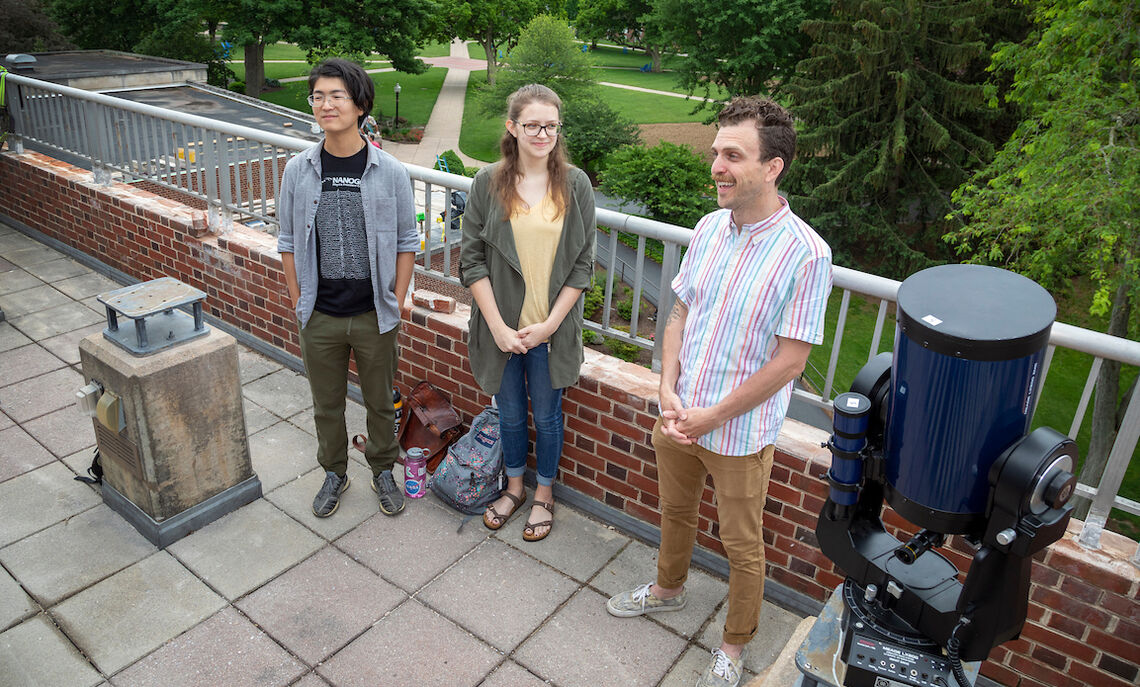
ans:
(397, 122)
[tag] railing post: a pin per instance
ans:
(670, 264)
(14, 99)
(1113, 475)
(98, 141)
(218, 216)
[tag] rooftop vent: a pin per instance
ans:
(20, 62)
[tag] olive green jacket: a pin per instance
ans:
(488, 250)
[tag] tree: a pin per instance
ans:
(1059, 200)
(623, 22)
(253, 24)
(389, 27)
(670, 180)
(890, 120)
(493, 24)
(547, 54)
(746, 47)
(106, 26)
(594, 130)
(28, 28)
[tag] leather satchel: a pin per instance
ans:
(430, 423)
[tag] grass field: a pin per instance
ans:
(288, 51)
(1062, 392)
(480, 135)
(417, 94)
(658, 81)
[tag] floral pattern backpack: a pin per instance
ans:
(471, 476)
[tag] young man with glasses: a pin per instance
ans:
(347, 242)
(751, 296)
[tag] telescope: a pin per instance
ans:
(940, 430)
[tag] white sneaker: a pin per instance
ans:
(723, 671)
(640, 601)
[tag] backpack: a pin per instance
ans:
(471, 476)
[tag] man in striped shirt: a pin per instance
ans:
(751, 296)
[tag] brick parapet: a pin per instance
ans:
(1084, 610)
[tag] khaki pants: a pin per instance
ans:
(741, 486)
(325, 344)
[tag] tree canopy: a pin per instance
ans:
(625, 22)
(1061, 200)
(493, 24)
(546, 54)
(891, 117)
(670, 180)
(745, 46)
(28, 28)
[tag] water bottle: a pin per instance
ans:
(398, 404)
(415, 473)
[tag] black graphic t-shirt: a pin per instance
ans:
(344, 288)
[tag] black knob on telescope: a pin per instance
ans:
(1060, 489)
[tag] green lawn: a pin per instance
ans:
(417, 94)
(658, 81)
(649, 108)
(480, 135)
(1067, 374)
(277, 51)
(436, 50)
(614, 57)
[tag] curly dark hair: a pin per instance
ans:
(355, 79)
(774, 124)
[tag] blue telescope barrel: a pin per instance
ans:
(969, 347)
(852, 415)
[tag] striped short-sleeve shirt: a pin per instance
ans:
(743, 287)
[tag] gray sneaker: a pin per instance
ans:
(328, 498)
(640, 601)
(391, 496)
(723, 671)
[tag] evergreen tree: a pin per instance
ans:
(891, 118)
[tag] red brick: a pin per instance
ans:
(1114, 645)
(1038, 671)
(1122, 606)
(784, 494)
(1067, 625)
(1093, 676)
(1065, 644)
(1000, 674)
(1106, 578)
(1070, 606)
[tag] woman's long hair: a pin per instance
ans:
(508, 173)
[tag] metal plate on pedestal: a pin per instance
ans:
(151, 307)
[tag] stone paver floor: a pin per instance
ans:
(271, 595)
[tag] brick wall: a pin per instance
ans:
(1084, 613)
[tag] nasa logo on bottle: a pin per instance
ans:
(412, 487)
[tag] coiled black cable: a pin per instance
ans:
(952, 646)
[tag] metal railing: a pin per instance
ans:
(235, 171)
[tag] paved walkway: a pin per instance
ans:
(271, 595)
(442, 131)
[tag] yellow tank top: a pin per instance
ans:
(537, 232)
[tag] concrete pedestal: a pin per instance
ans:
(181, 457)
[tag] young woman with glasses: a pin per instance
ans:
(527, 255)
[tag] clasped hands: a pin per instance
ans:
(522, 340)
(685, 425)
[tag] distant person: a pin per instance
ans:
(347, 242)
(371, 131)
(751, 295)
(527, 255)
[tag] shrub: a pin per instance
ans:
(670, 180)
(624, 307)
(454, 164)
(237, 86)
(595, 297)
(622, 349)
(589, 336)
(594, 130)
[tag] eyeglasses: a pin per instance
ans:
(336, 99)
(532, 128)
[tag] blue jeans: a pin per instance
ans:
(529, 374)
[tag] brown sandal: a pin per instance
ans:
(499, 519)
(528, 531)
